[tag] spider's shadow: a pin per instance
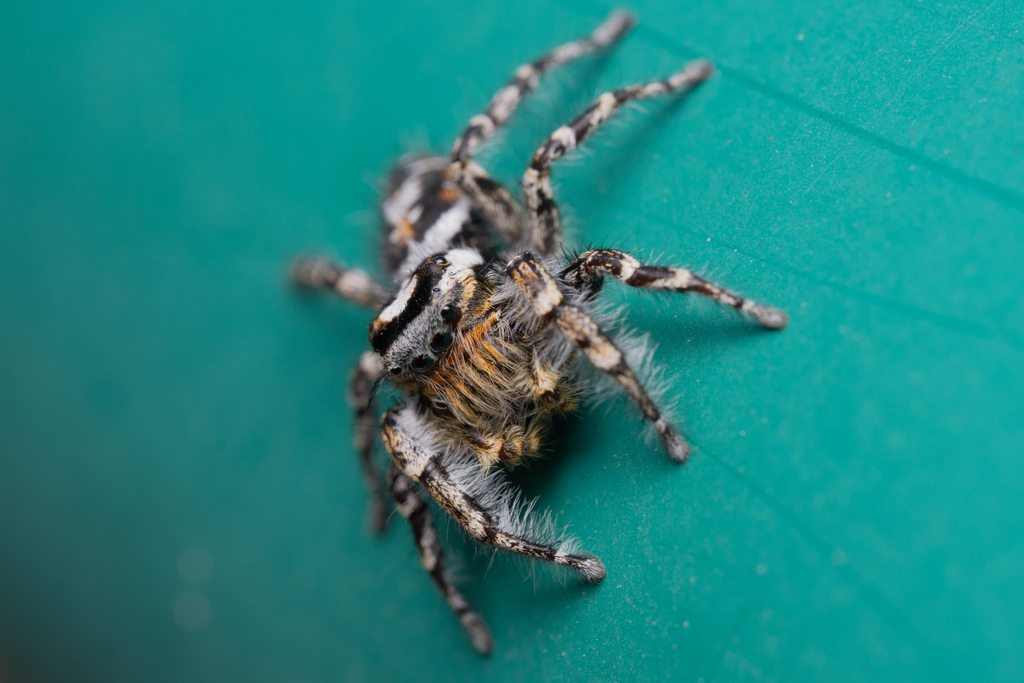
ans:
(538, 476)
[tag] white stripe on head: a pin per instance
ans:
(399, 203)
(438, 237)
(396, 307)
(463, 256)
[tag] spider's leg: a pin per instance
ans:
(350, 284)
(546, 301)
(542, 219)
(525, 80)
(411, 505)
(477, 498)
(360, 395)
(490, 198)
(592, 265)
(488, 195)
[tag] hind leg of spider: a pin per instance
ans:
(592, 265)
(543, 222)
(541, 291)
(411, 506)
(476, 498)
(360, 395)
(493, 199)
(350, 284)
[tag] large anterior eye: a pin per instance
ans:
(451, 314)
(421, 362)
(441, 341)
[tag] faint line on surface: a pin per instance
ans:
(902, 87)
(981, 331)
(966, 327)
(666, 41)
(874, 597)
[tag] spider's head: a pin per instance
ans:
(418, 325)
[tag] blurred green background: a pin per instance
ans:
(179, 499)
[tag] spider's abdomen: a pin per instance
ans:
(425, 212)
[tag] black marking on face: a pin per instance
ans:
(427, 276)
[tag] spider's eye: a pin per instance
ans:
(421, 362)
(450, 314)
(441, 341)
(440, 261)
(396, 371)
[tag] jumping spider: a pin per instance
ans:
(482, 338)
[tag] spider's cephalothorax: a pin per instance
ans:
(484, 332)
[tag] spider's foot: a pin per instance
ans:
(676, 446)
(772, 318)
(313, 272)
(695, 73)
(589, 568)
(479, 633)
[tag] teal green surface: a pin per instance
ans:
(173, 426)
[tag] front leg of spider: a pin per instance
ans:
(541, 291)
(591, 265)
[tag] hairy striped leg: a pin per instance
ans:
(490, 198)
(350, 284)
(591, 265)
(541, 291)
(542, 219)
(474, 497)
(527, 77)
(411, 506)
(487, 194)
(360, 395)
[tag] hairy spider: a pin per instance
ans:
(484, 335)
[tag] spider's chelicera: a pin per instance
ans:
(486, 335)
